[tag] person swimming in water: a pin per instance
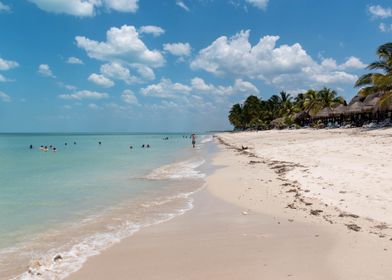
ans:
(31, 147)
(193, 136)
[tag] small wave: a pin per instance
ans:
(61, 263)
(206, 139)
(179, 170)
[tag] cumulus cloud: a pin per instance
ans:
(122, 5)
(85, 8)
(378, 11)
(129, 97)
(167, 89)
(84, 94)
(182, 4)
(261, 4)
(74, 60)
(100, 80)
(283, 66)
(240, 86)
(178, 49)
(353, 63)
(118, 72)
(151, 29)
(45, 70)
(4, 97)
(7, 64)
(122, 44)
(4, 8)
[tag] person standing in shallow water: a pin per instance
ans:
(193, 136)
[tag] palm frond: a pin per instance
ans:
(364, 80)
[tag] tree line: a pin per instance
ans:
(256, 113)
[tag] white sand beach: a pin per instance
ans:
(273, 211)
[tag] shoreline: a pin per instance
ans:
(241, 228)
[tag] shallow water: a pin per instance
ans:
(81, 199)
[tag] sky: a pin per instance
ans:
(174, 65)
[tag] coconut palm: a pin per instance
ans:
(235, 116)
(311, 102)
(328, 98)
(378, 82)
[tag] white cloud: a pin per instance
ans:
(240, 86)
(118, 72)
(4, 97)
(7, 64)
(261, 4)
(74, 60)
(144, 71)
(151, 29)
(178, 49)
(84, 94)
(385, 27)
(100, 80)
(45, 70)
(182, 5)
(167, 89)
(122, 5)
(129, 97)
(283, 66)
(122, 44)
(353, 62)
(4, 7)
(85, 8)
(378, 11)
(3, 79)
(72, 7)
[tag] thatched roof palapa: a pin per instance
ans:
(339, 110)
(355, 108)
(300, 116)
(324, 113)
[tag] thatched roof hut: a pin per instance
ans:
(371, 103)
(339, 110)
(324, 113)
(301, 116)
(356, 98)
(355, 108)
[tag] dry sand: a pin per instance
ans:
(255, 219)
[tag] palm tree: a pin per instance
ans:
(378, 82)
(251, 111)
(311, 102)
(328, 98)
(235, 116)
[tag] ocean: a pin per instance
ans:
(57, 208)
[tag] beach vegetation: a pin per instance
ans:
(282, 110)
(380, 81)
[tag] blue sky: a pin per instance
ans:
(146, 65)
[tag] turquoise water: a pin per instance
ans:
(41, 191)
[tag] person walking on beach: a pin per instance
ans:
(193, 136)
